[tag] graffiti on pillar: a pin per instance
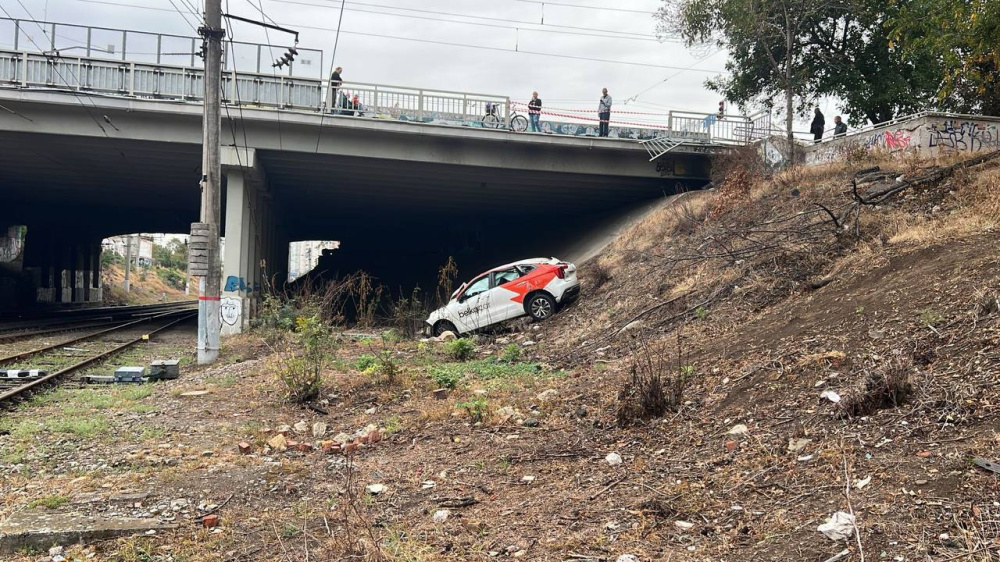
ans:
(231, 309)
(12, 245)
(234, 283)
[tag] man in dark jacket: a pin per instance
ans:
(818, 124)
(535, 112)
(839, 127)
(335, 82)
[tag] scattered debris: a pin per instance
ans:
(319, 429)
(441, 393)
(278, 442)
(684, 525)
(194, 393)
(796, 445)
(210, 521)
(985, 464)
(830, 395)
(548, 395)
(838, 527)
(441, 515)
(376, 489)
(614, 459)
(301, 427)
(738, 429)
(859, 484)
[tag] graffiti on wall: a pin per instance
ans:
(890, 141)
(549, 127)
(230, 309)
(12, 245)
(962, 136)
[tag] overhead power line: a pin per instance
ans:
(444, 43)
(566, 5)
(601, 32)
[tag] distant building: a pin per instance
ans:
(302, 256)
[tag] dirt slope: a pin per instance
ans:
(761, 298)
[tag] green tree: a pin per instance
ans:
(173, 255)
(963, 38)
(802, 49)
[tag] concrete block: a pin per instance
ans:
(40, 529)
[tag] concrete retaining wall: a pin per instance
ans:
(930, 134)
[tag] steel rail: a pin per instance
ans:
(29, 353)
(51, 376)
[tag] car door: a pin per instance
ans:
(470, 310)
(505, 298)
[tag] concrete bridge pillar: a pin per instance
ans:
(248, 224)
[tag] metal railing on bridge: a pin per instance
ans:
(117, 62)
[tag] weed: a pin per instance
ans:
(701, 313)
(477, 409)
(365, 362)
(290, 531)
(384, 368)
(51, 502)
(393, 425)
(461, 349)
(884, 386)
(302, 374)
(446, 281)
(653, 387)
(366, 294)
(80, 427)
(446, 378)
(859, 310)
(929, 317)
(408, 314)
(599, 275)
(511, 353)
(490, 368)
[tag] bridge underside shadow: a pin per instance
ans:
(397, 219)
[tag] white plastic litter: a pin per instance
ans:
(838, 527)
(830, 395)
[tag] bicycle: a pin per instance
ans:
(518, 123)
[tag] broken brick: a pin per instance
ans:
(245, 448)
(210, 521)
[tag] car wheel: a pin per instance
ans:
(541, 306)
(444, 326)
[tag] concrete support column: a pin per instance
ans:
(96, 283)
(64, 284)
(236, 263)
(79, 261)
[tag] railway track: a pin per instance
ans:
(42, 323)
(15, 387)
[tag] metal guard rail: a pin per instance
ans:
(159, 81)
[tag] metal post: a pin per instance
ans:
(52, 41)
(258, 58)
(210, 286)
(124, 40)
(159, 47)
(420, 105)
(89, 30)
(193, 49)
(17, 32)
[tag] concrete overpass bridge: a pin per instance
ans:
(92, 147)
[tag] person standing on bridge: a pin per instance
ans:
(817, 126)
(839, 127)
(535, 112)
(604, 113)
(335, 82)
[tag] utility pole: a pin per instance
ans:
(210, 285)
(128, 261)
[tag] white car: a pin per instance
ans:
(535, 287)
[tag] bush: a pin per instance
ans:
(303, 374)
(171, 277)
(408, 315)
(461, 349)
(365, 362)
(477, 409)
(446, 378)
(511, 353)
(653, 387)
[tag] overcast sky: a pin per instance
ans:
(370, 49)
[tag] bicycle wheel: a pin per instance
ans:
(519, 123)
(491, 121)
